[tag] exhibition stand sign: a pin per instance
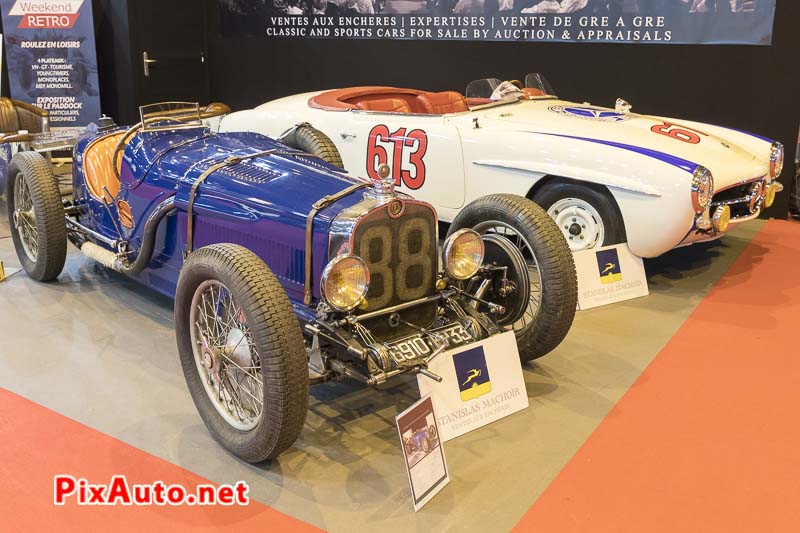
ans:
(481, 383)
(608, 275)
(601, 21)
(422, 451)
(52, 63)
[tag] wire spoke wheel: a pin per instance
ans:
(226, 356)
(534, 246)
(24, 218)
(535, 298)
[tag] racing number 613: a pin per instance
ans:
(415, 141)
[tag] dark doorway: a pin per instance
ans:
(169, 53)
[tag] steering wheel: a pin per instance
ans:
(120, 148)
(125, 139)
(215, 109)
(504, 89)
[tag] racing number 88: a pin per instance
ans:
(396, 281)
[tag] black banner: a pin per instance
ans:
(602, 21)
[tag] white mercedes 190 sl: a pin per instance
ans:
(604, 175)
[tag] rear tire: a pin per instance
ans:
(257, 348)
(551, 266)
(36, 216)
(309, 139)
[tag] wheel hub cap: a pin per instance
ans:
(236, 347)
(580, 223)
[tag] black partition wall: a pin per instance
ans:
(754, 88)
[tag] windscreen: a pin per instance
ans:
(482, 88)
(536, 83)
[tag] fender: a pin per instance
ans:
(619, 166)
(580, 174)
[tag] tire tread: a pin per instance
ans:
(52, 230)
(556, 266)
(281, 347)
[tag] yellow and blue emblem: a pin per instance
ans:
(472, 374)
(608, 266)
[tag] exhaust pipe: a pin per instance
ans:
(113, 261)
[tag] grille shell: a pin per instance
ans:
(402, 255)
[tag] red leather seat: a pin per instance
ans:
(442, 103)
(386, 105)
(531, 91)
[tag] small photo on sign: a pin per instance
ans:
(422, 451)
(472, 373)
(609, 266)
(420, 439)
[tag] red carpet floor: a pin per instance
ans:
(708, 439)
(37, 444)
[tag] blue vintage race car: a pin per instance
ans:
(285, 272)
(421, 440)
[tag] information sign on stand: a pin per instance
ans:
(481, 383)
(422, 450)
(608, 275)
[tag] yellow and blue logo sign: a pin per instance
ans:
(472, 374)
(608, 266)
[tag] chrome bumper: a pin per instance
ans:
(737, 204)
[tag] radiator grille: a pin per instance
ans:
(401, 254)
(737, 198)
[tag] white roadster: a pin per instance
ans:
(604, 175)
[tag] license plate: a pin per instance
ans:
(421, 346)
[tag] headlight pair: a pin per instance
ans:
(345, 281)
(702, 189)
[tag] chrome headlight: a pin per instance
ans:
(463, 254)
(702, 189)
(776, 158)
(345, 282)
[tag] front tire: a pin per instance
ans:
(36, 216)
(242, 352)
(586, 214)
(554, 284)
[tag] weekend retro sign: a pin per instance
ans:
(51, 58)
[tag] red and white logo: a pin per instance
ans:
(46, 14)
